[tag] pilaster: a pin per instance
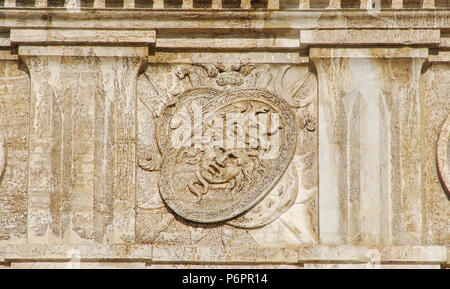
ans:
(82, 133)
(369, 144)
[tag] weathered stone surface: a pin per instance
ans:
(367, 37)
(76, 265)
(229, 254)
(435, 90)
(279, 200)
(223, 266)
(365, 254)
(86, 51)
(14, 122)
(165, 83)
(234, 255)
(82, 154)
(443, 154)
(230, 20)
(88, 252)
(212, 180)
(58, 36)
(369, 145)
(370, 266)
(260, 134)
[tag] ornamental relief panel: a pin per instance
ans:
(226, 153)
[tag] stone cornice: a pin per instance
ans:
(217, 29)
(228, 255)
(98, 51)
(223, 20)
(367, 53)
(275, 30)
(366, 37)
(77, 36)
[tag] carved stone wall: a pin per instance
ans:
(288, 214)
(315, 135)
(435, 91)
(14, 85)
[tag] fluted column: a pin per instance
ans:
(369, 144)
(81, 185)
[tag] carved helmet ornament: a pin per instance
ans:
(223, 151)
(443, 155)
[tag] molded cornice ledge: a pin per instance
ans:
(352, 37)
(368, 53)
(376, 43)
(10, 254)
(71, 42)
(213, 20)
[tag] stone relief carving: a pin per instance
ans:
(212, 181)
(201, 183)
(443, 155)
(277, 202)
(232, 74)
